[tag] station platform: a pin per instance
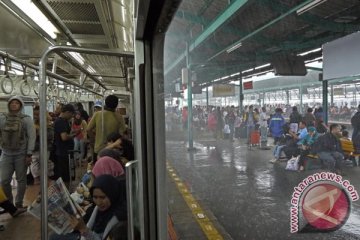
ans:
(245, 195)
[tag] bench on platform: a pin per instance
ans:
(349, 150)
(347, 147)
(310, 160)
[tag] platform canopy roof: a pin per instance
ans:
(227, 37)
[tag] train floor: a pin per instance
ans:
(240, 192)
(26, 226)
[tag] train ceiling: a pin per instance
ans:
(105, 24)
(227, 37)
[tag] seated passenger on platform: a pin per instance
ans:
(282, 142)
(293, 150)
(306, 145)
(109, 197)
(329, 150)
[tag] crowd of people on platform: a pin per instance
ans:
(294, 133)
(101, 140)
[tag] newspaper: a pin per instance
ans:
(60, 208)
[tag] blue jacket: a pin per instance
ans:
(276, 124)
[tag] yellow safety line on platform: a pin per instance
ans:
(200, 216)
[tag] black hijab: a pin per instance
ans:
(116, 191)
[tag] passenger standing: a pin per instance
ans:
(184, 115)
(295, 118)
(230, 120)
(355, 123)
(276, 125)
(263, 127)
(84, 115)
(309, 118)
(250, 121)
(219, 123)
(64, 142)
(79, 125)
(105, 122)
(35, 164)
(17, 141)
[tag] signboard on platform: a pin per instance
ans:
(338, 92)
(223, 90)
(248, 85)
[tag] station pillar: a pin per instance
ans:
(325, 100)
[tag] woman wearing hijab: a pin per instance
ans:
(108, 165)
(109, 196)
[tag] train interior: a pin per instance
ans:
(173, 64)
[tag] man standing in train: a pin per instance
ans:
(17, 141)
(105, 122)
(64, 142)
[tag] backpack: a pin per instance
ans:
(12, 135)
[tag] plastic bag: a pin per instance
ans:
(293, 164)
(226, 129)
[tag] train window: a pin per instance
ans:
(228, 145)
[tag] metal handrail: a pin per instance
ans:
(130, 166)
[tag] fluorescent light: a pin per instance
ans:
(262, 66)
(308, 52)
(77, 57)
(236, 46)
(91, 69)
(309, 6)
(37, 16)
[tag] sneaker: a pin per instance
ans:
(273, 160)
(19, 211)
(20, 206)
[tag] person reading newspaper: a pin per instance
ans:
(60, 208)
(109, 196)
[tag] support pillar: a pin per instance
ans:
(325, 100)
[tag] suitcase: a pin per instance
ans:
(255, 138)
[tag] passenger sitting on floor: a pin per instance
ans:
(8, 207)
(118, 142)
(108, 165)
(329, 150)
(282, 142)
(306, 145)
(293, 150)
(110, 200)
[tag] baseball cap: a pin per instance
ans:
(98, 104)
